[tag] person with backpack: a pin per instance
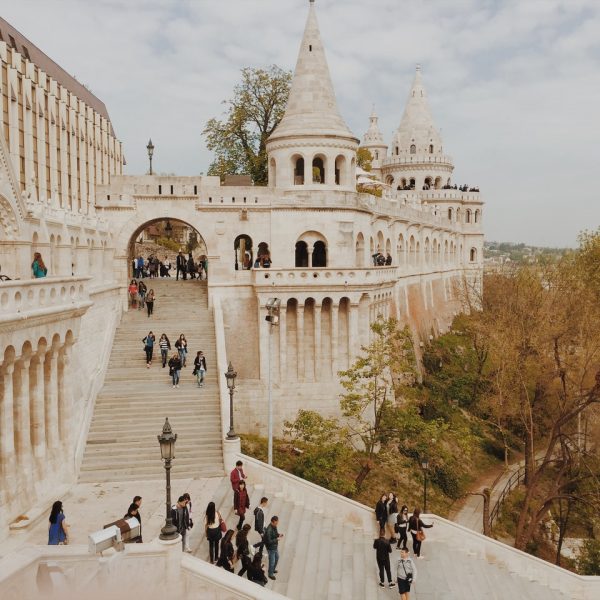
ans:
(383, 550)
(416, 526)
(259, 522)
(401, 527)
(149, 348)
(406, 573)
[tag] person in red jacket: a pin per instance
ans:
(241, 502)
(237, 475)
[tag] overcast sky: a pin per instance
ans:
(514, 85)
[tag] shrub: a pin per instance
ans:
(589, 558)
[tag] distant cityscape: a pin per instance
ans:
(501, 253)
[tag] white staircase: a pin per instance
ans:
(131, 408)
(325, 558)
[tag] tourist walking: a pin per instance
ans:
(165, 345)
(406, 573)
(402, 525)
(150, 297)
(227, 552)
(181, 345)
(272, 537)
(242, 548)
(58, 530)
(383, 549)
(237, 475)
(212, 527)
(133, 290)
(149, 348)
(142, 289)
(190, 266)
(256, 572)
(175, 368)
(381, 513)
(416, 526)
(199, 368)
(241, 502)
(181, 519)
(259, 522)
(392, 509)
(188, 505)
(180, 263)
(38, 267)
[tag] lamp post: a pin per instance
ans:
(168, 229)
(425, 465)
(150, 148)
(273, 305)
(230, 375)
(167, 441)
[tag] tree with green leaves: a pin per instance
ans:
(364, 159)
(239, 139)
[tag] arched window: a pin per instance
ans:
(389, 180)
(412, 183)
(263, 256)
(359, 257)
(272, 172)
(376, 154)
(319, 254)
(400, 250)
(468, 217)
(318, 169)
(301, 254)
(298, 166)
(413, 149)
(450, 214)
(438, 183)
(430, 148)
(341, 175)
(473, 255)
(242, 247)
(477, 216)
(403, 183)
(397, 150)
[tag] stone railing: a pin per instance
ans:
(416, 159)
(455, 195)
(23, 299)
(325, 276)
(475, 544)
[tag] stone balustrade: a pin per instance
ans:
(417, 159)
(22, 299)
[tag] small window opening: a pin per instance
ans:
(159, 190)
(195, 190)
(171, 190)
(310, 47)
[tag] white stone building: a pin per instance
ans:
(62, 193)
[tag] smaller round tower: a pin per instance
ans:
(417, 160)
(373, 142)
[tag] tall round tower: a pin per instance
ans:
(417, 158)
(373, 142)
(312, 146)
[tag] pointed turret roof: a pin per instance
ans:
(312, 108)
(417, 125)
(373, 137)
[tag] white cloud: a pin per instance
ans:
(514, 85)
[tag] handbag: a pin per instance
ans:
(223, 525)
(421, 535)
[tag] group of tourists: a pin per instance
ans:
(151, 267)
(178, 359)
(397, 522)
(187, 267)
(379, 260)
(227, 552)
(140, 296)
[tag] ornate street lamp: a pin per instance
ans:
(230, 375)
(425, 466)
(167, 441)
(273, 308)
(150, 148)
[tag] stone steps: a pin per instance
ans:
(134, 401)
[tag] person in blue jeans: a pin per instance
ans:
(272, 537)
(175, 368)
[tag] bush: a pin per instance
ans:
(170, 244)
(493, 447)
(447, 480)
(589, 558)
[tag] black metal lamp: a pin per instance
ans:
(230, 375)
(150, 148)
(167, 441)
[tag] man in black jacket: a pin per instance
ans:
(181, 519)
(181, 266)
(383, 548)
(259, 522)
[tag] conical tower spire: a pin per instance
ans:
(312, 107)
(417, 128)
(373, 135)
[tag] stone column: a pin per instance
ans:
(22, 419)
(300, 342)
(318, 356)
(309, 250)
(58, 388)
(38, 416)
(7, 430)
(307, 172)
(282, 342)
(335, 332)
(263, 342)
(353, 338)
